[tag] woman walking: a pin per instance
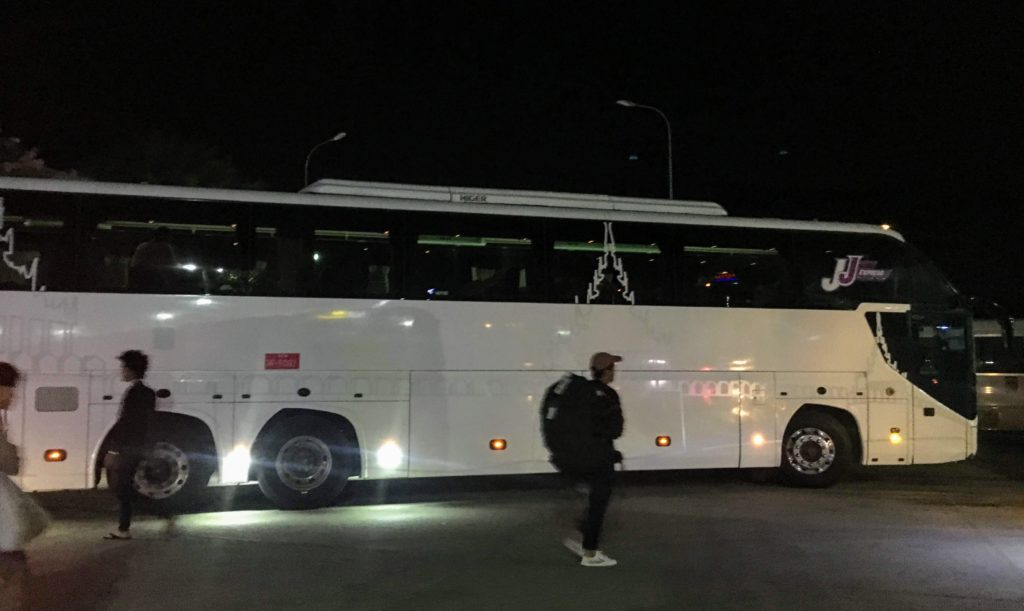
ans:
(21, 519)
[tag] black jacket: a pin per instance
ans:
(589, 447)
(132, 426)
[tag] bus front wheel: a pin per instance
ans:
(304, 463)
(816, 450)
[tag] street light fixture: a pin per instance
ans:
(668, 126)
(334, 138)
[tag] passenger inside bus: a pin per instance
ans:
(153, 264)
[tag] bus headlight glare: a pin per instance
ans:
(389, 456)
(236, 466)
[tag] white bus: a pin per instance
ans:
(361, 330)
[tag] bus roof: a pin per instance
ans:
(474, 196)
(355, 194)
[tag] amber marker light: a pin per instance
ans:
(757, 439)
(663, 441)
(894, 436)
(498, 444)
(55, 456)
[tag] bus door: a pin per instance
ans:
(931, 348)
(944, 401)
(55, 454)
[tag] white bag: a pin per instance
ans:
(21, 518)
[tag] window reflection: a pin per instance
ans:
(473, 259)
(735, 277)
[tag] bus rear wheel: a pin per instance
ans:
(304, 463)
(816, 450)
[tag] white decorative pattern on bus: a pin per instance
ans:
(880, 340)
(45, 341)
(610, 255)
(28, 272)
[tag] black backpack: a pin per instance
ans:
(566, 423)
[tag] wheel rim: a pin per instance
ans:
(810, 450)
(304, 463)
(163, 472)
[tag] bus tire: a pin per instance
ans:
(173, 475)
(304, 463)
(816, 450)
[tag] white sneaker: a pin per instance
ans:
(598, 559)
(573, 546)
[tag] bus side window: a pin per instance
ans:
(148, 245)
(282, 254)
(42, 228)
(735, 268)
(843, 270)
(353, 253)
(472, 258)
(628, 262)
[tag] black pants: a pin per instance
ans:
(120, 471)
(590, 523)
(125, 520)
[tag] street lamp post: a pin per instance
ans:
(668, 126)
(334, 138)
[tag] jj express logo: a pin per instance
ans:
(852, 268)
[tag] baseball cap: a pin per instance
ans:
(603, 360)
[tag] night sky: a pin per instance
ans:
(907, 113)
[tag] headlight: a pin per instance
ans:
(236, 466)
(389, 456)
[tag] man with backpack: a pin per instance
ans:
(580, 419)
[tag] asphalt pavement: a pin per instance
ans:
(949, 536)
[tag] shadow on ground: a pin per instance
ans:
(83, 586)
